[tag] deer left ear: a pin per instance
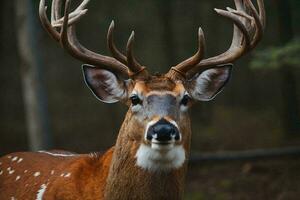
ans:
(205, 86)
(104, 84)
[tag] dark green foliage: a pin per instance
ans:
(276, 57)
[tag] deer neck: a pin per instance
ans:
(128, 181)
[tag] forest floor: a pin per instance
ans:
(256, 180)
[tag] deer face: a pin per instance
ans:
(158, 120)
(160, 105)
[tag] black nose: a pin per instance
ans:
(163, 131)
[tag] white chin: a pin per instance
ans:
(160, 157)
(159, 147)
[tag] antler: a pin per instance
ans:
(66, 36)
(249, 27)
(129, 59)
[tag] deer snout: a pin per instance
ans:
(163, 132)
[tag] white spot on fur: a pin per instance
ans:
(0, 163)
(36, 174)
(10, 171)
(14, 158)
(156, 159)
(1, 172)
(52, 172)
(25, 171)
(18, 177)
(13, 198)
(41, 192)
(58, 154)
(93, 155)
(9, 157)
(68, 175)
(20, 160)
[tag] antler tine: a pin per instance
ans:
(240, 27)
(111, 45)
(259, 25)
(129, 59)
(83, 5)
(57, 18)
(239, 13)
(132, 63)
(243, 39)
(188, 64)
(86, 56)
(67, 36)
(55, 10)
(262, 12)
(240, 42)
(45, 21)
(73, 17)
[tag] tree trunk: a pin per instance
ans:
(290, 110)
(33, 88)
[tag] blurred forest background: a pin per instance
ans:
(259, 109)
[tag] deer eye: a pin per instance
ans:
(135, 100)
(185, 100)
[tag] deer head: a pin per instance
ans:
(157, 125)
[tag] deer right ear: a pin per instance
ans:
(205, 86)
(105, 85)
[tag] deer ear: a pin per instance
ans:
(105, 85)
(205, 86)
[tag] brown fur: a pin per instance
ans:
(135, 183)
(112, 176)
(85, 182)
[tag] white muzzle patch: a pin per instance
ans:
(160, 159)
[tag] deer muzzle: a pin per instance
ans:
(163, 132)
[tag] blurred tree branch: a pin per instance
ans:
(256, 154)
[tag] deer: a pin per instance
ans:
(150, 157)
